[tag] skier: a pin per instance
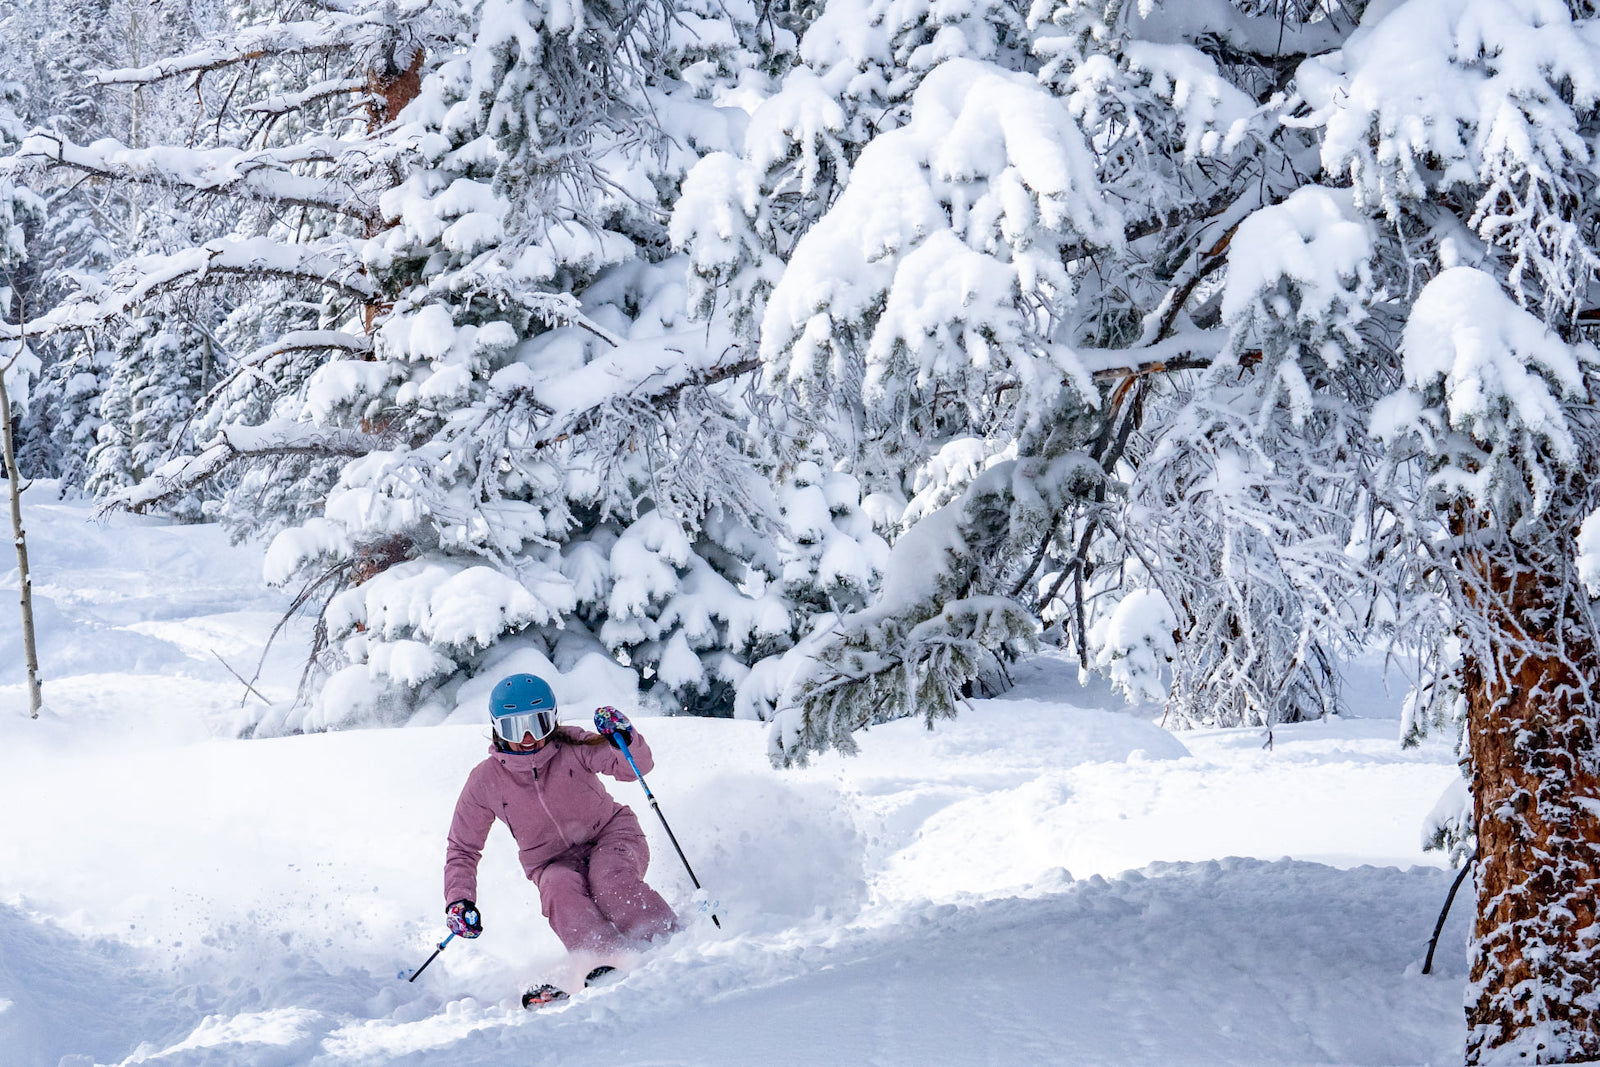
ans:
(582, 849)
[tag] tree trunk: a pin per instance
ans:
(24, 580)
(1531, 727)
(395, 86)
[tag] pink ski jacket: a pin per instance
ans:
(550, 800)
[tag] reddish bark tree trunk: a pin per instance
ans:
(1535, 970)
(395, 85)
(392, 87)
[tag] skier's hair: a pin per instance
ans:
(576, 735)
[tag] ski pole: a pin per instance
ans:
(651, 797)
(440, 948)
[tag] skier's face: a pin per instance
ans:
(527, 744)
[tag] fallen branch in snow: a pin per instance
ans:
(1450, 898)
(248, 687)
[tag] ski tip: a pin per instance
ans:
(543, 995)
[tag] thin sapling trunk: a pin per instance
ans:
(19, 538)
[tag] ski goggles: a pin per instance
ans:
(512, 728)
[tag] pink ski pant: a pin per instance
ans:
(594, 894)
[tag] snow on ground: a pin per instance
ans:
(1049, 879)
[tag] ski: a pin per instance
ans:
(545, 994)
(541, 996)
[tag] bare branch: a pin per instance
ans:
(247, 686)
(1169, 365)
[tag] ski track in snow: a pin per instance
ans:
(172, 896)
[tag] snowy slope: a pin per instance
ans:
(171, 895)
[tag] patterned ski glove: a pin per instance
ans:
(464, 919)
(612, 724)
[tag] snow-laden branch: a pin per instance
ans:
(294, 341)
(151, 276)
(621, 379)
(259, 175)
(610, 385)
(1264, 36)
(1185, 351)
(284, 103)
(280, 437)
(311, 341)
(334, 32)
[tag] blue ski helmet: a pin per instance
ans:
(522, 704)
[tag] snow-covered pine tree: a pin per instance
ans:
(20, 209)
(828, 562)
(1247, 522)
(920, 309)
(832, 558)
(66, 429)
(739, 215)
(511, 379)
(1007, 234)
(271, 343)
(742, 213)
(1488, 170)
(559, 465)
(1229, 385)
(53, 48)
(158, 375)
(871, 55)
(1497, 403)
